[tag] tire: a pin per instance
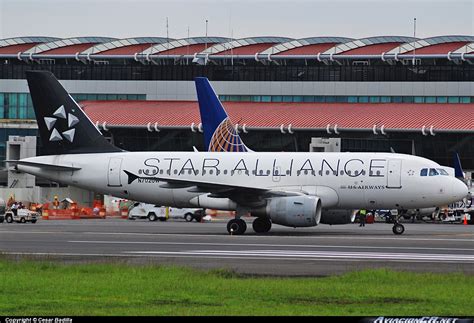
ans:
(236, 226)
(198, 218)
(22, 220)
(188, 217)
(152, 217)
(1, 220)
(33, 221)
(398, 229)
(261, 225)
(9, 219)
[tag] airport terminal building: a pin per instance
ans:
(411, 95)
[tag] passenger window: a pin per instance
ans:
(424, 172)
(433, 172)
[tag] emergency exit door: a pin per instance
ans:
(113, 175)
(394, 173)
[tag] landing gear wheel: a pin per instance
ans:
(261, 225)
(236, 226)
(398, 229)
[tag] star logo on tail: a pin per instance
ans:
(51, 122)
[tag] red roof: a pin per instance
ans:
(247, 50)
(443, 48)
(299, 115)
(72, 49)
(130, 50)
(185, 50)
(308, 49)
(14, 49)
(371, 49)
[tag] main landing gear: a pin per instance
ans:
(262, 225)
(238, 226)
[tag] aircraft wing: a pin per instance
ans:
(243, 194)
(44, 166)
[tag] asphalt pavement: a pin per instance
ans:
(316, 251)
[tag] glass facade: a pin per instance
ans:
(248, 70)
(347, 99)
(20, 106)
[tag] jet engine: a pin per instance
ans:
(293, 211)
(337, 216)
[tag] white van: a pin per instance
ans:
(163, 213)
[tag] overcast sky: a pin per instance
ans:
(291, 18)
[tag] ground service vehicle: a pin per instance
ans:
(163, 213)
(21, 216)
(2, 211)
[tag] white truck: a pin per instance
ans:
(21, 216)
(2, 210)
(163, 213)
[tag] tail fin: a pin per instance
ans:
(63, 126)
(458, 171)
(219, 131)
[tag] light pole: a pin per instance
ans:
(414, 41)
(206, 34)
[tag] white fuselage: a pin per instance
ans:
(341, 180)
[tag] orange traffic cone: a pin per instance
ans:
(465, 219)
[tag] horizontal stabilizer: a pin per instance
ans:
(60, 168)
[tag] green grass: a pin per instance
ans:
(46, 288)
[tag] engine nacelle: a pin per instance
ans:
(333, 217)
(294, 211)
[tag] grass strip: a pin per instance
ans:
(50, 288)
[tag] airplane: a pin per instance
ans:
(221, 135)
(291, 189)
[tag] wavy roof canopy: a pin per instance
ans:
(249, 46)
(67, 42)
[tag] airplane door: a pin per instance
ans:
(113, 175)
(394, 173)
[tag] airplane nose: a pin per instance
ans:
(458, 189)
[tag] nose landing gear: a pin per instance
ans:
(398, 228)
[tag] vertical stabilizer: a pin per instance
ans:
(64, 128)
(219, 131)
(458, 171)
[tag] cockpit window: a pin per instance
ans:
(442, 172)
(424, 172)
(433, 172)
